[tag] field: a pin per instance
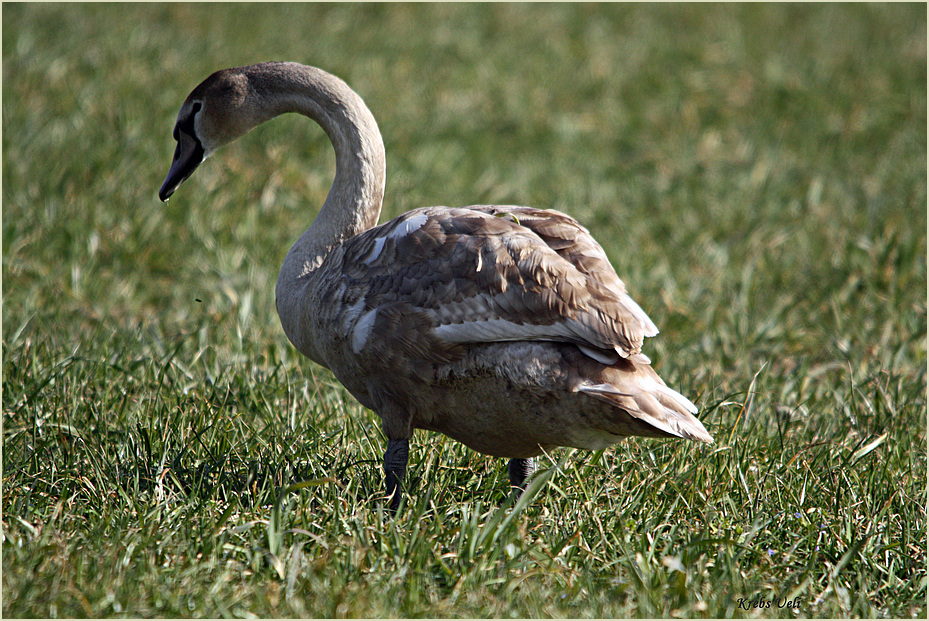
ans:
(756, 173)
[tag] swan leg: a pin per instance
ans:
(395, 458)
(520, 469)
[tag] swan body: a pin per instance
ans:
(503, 327)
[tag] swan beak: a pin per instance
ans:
(187, 156)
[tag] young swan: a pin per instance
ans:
(503, 327)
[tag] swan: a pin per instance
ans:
(503, 327)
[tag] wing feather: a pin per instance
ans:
(496, 273)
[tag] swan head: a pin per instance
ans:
(222, 108)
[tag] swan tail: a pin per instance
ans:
(637, 390)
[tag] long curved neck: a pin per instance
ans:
(354, 202)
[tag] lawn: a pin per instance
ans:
(756, 173)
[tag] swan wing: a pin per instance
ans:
(486, 274)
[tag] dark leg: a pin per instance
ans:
(398, 451)
(520, 469)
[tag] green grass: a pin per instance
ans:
(756, 173)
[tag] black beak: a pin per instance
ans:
(187, 156)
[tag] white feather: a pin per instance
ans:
(376, 252)
(408, 226)
(363, 330)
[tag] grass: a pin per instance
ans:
(757, 174)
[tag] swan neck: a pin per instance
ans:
(353, 204)
(354, 201)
